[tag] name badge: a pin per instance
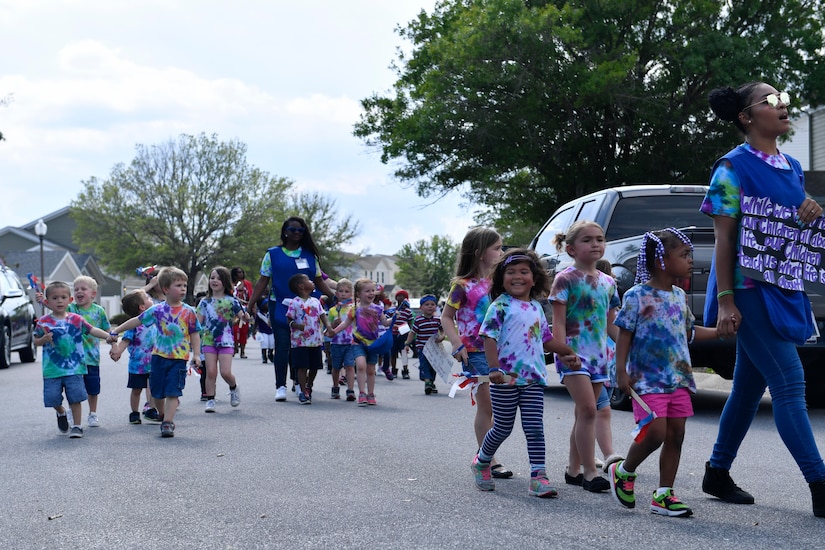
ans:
(301, 263)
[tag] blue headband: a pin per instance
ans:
(427, 298)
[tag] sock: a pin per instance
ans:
(536, 469)
(233, 388)
(77, 426)
(621, 469)
(662, 490)
(483, 457)
(210, 397)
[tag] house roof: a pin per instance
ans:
(29, 262)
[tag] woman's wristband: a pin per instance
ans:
(457, 350)
(724, 293)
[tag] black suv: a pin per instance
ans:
(16, 320)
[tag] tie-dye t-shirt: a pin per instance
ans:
(366, 320)
(175, 326)
(588, 300)
(470, 299)
(218, 315)
(141, 344)
(308, 313)
(724, 199)
(64, 355)
(95, 315)
(340, 311)
(659, 360)
(520, 330)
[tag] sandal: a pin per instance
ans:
(500, 472)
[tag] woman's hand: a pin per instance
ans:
(808, 211)
(729, 319)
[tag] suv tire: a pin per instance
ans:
(29, 353)
(5, 347)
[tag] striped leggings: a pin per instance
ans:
(506, 400)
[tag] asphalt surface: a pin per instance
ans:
(333, 475)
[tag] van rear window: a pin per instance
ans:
(637, 215)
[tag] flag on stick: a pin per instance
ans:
(641, 428)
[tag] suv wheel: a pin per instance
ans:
(5, 347)
(29, 353)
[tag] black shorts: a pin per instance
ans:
(306, 358)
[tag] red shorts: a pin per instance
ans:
(665, 405)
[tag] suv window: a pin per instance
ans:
(557, 224)
(5, 284)
(590, 209)
(637, 215)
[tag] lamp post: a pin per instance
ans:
(40, 229)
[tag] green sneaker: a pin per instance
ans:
(669, 505)
(621, 486)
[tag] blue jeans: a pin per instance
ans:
(763, 359)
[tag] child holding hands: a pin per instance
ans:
(305, 315)
(425, 327)
(652, 357)
(516, 336)
(178, 335)
(217, 312)
(61, 333)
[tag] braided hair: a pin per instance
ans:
(653, 249)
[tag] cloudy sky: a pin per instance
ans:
(92, 78)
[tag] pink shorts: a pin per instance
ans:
(217, 351)
(665, 405)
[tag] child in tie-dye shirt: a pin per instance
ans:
(306, 337)
(582, 316)
(61, 335)
(140, 342)
(365, 318)
(217, 312)
(178, 335)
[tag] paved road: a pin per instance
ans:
(332, 475)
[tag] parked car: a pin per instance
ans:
(625, 214)
(17, 318)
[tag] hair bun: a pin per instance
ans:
(724, 102)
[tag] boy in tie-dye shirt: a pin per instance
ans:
(305, 315)
(140, 342)
(177, 334)
(61, 335)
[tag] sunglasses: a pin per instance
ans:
(295, 229)
(773, 100)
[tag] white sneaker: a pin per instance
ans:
(94, 421)
(210, 406)
(234, 397)
(280, 394)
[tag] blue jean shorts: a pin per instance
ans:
(138, 380)
(603, 399)
(168, 377)
(342, 356)
(92, 379)
(360, 350)
(477, 364)
(53, 390)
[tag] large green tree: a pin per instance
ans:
(524, 104)
(427, 267)
(193, 203)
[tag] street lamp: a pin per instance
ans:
(40, 229)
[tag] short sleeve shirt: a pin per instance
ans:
(520, 330)
(64, 355)
(470, 299)
(95, 315)
(425, 328)
(175, 327)
(660, 320)
(266, 265)
(218, 314)
(588, 299)
(366, 320)
(141, 346)
(340, 311)
(307, 313)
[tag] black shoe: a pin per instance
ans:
(405, 374)
(263, 356)
(500, 472)
(152, 415)
(134, 417)
(63, 423)
(595, 485)
(717, 482)
(573, 480)
(818, 497)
